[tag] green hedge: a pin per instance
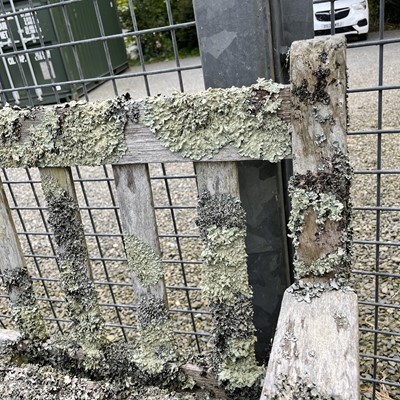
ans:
(392, 11)
(152, 14)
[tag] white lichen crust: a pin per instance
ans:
(199, 125)
(76, 133)
(222, 226)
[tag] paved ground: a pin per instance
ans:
(361, 61)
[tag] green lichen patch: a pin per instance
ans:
(157, 347)
(233, 339)
(29, 321)
(220, 210)
(33, 382)
(240, 311)
(222, 225)
(320, 220)
(199, 125)
(156, 337)
(25, 314)
(325, 205)
(306, 291)
(285, 389)
(238, 367)
(76, 133)
(226, 260)
(73, 260)
(10, 126)
(143, 261)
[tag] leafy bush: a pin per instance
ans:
(152, 14)
(392, 12)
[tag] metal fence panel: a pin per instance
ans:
(373, 143)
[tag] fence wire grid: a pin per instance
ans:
(31, 72)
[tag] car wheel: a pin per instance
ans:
(363, 36)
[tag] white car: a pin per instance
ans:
(351, 17)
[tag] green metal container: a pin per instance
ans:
(61, 64)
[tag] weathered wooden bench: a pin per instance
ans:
(315, 350)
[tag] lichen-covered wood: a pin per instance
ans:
(251, 123)
(25, 312)
(156, 337)
(315, 349)
(222, 226)
(80, 294)
(199, 126)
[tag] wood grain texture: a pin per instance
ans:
(217, 178)
(317, 344)
(138, 217)
(205, 379)
(318, 93)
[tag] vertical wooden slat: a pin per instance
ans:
(142, 247)
(315, 349)
(25, 312)
(222, 226)
(72, 253)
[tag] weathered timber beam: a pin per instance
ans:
(218, 124)
(156, 337)
(25, 312)
(222, 224)
(315, 349)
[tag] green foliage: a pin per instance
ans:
(152, 14)
(392, 12)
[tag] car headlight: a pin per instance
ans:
(361, 5)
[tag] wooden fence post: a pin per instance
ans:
(315, 350)
(156, 337)
(65, 220)
(25, 312)
(222, 224)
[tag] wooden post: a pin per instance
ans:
(65, 220)
(315, 350)
(138, 220)
(222, 224)
(25, 312)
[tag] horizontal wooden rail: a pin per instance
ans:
(216, 125)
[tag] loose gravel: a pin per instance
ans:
(109, 264)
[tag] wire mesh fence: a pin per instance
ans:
(43, 63)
